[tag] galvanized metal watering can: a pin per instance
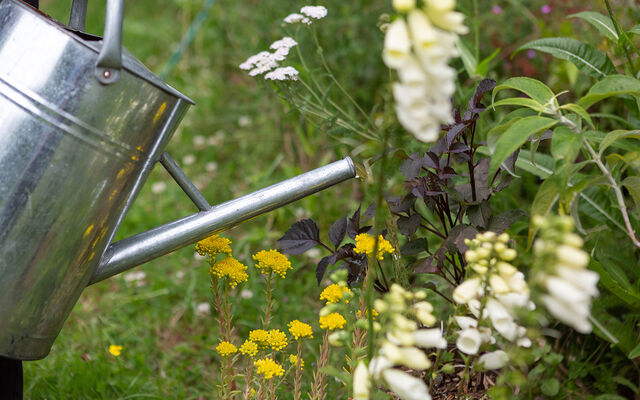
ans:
(82, 123)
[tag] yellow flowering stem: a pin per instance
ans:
(267, 311)
(319, 385)
(223, 305)
(297, 380)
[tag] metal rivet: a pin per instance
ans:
(106, 74)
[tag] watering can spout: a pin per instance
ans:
(135, 250)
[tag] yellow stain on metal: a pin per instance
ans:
(163, 107)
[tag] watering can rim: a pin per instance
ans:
(95, 43)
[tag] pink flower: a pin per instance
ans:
(496, 9)
(545, 9)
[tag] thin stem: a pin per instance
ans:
(476, 29)
(297, 380)
(267, 311)
(605, 171)
(623, 34)
(319, 376)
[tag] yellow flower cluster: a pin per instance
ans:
(359, 314)
(260, 337)
(115, 350)
(231, 268)
(293, 359)
(213, 245)
(334, 293)
(332, 321)
(366, 243)
(272, 260)
(277, 339)
(225, 348)
(269, 368)
(249, 348)
(299, 329)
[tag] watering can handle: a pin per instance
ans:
(110, 58)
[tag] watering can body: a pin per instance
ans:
(82, 123)
(73, 151)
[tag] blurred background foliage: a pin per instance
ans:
(241, 136)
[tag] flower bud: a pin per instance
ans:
(403, 323)
(483, 253)
(410, 356)
(498, 285)
(493, 360)
(420, 295)
(503, 238)
(361, 382)
(404, 5)
(499, 246)
(481, 269)
(506, 269)
(338, 338)
(466, 291)
(471, 256)
(572, 257)
(380, 305)
(508, 254)
(328, 309)
(449, 369)
(488, 236)
(429, 338)
(573, 240)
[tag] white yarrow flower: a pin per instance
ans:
(283, 74)
(284, 42)
(293, 18)
(316, 12)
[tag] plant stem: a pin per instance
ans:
(297, 380)
(319, 376)
(605, 171)
(620, 32)
(267, 311)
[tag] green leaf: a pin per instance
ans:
(550, 386)
(515, 136)
(483, 66)
(601, 23)
(611, 282)
(565, 144)
(614, 136)
(614, 85)
(496, 132)
(519, 101)
(588, 59)
(533, 88)
(546, 197)
(579, 111)
(468, 59)
(632, 183)
(635, 353)
(635, 30)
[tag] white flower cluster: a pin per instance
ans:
(401, 346)
(307, 13)
(501, 288)
(266, 61)
(419, 46)
(569, 284)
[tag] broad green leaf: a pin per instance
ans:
(519, 101)
(468, 59)
(600, 22)
(614, 136)
(614, 85)
(515, 136)
(588, 59)
(632, 183)
(632, 298)
(598, 137)
(579, 111)
(546, 197)
(483, 66)
(496, 132)
(565, 144)
(635, 353)
(543, 166)
(535, 89)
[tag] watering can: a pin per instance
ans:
(82, 124)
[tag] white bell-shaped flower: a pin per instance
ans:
(429, 338)
(493, 360)
(405, 386)
(501, 319)
(469, 341)
(466, 291)
(361, 382)
(397, 45)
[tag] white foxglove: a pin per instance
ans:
(397, 45)
(429, 338)
(361, 382)
(469, 341)
(407, 387)
(466, 291)
(493, 360)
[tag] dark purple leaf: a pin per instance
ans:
(469, 232)
(414, 247)
(322, 266)
(412, 166)
(454, 132)
(337, 231)
(369, 212)
(425, 266)
(479, 214)
(450, 244)
(302, 236)
(485, 86)
(409, 225)
(447, 172)
(499, 223)
(353, 225)
(401, 204)
(458, 147)
(431, 160)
